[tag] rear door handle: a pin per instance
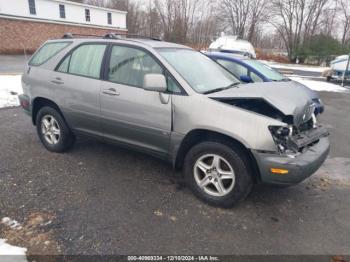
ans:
(57, 81)
(111, 92)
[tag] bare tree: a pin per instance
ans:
(345, 21)
(329, 19)
(242, 17)
(205, 26)
(296, 21)
(177, 17)
(313, 14)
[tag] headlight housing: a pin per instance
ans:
(282, 136)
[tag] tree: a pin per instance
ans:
(345, 22)
(296, 21)
(177, 18)
(329, 19)
(322, 47)
(242, 17)
(205, 27)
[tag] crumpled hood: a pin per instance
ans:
(290, 97)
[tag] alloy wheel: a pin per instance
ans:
(50, 129)
(214, 175)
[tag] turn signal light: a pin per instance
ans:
(279, 171)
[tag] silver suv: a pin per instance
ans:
(177, 104)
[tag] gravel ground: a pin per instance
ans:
(101, 199)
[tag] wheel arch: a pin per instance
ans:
(40, 102)
(200, 135)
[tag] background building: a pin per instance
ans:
(28, 23)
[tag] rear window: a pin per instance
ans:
(46, 52)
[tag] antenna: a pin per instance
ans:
(24, 52)
(25, 56)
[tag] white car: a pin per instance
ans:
(231, 44)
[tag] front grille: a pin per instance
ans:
(305, 126)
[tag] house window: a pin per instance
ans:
(62, 11)
(87, 15)
(32, 9)
(109, 18)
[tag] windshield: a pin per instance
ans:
(199, 71)
(267, 71)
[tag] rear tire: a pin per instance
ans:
(218, 173)
(53, 131)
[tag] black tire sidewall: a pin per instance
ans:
(66, 138)
(239, 163)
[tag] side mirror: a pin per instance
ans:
(155, 82)
(246, 79)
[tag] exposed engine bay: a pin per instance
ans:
(259, 106)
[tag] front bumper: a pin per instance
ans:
(300, 167)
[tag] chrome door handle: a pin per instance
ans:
(111, 92)
(57, 81)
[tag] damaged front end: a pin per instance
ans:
(300, 132)
(298, 145)
(292, 141)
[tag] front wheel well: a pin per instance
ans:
(39, 103)
(197, 136)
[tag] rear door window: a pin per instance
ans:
(86, 60)
(46, 52)
(64, 65)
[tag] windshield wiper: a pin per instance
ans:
(221, 88)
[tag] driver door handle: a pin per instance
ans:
(111, 92)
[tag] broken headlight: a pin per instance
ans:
(282, 137)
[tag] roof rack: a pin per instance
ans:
(119, 36)
(109, 36)
(71, 35)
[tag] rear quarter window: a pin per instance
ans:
(46, 52)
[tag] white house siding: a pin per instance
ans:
(75, 12)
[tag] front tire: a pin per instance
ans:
(53, 131)
(217, 173)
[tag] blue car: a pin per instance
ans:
(252, 71)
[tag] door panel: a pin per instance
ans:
(136, 116)
(79, 102)
(129, 114)
(77, 79)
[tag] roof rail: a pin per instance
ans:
(112, 36)
(67, 36)
(109, 36)
(120, 36)
(71, 35)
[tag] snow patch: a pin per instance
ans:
(10, 88)
(319, 85)
(318, 69)
(13, 224)
(10, 253)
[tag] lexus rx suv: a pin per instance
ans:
(177, 104)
